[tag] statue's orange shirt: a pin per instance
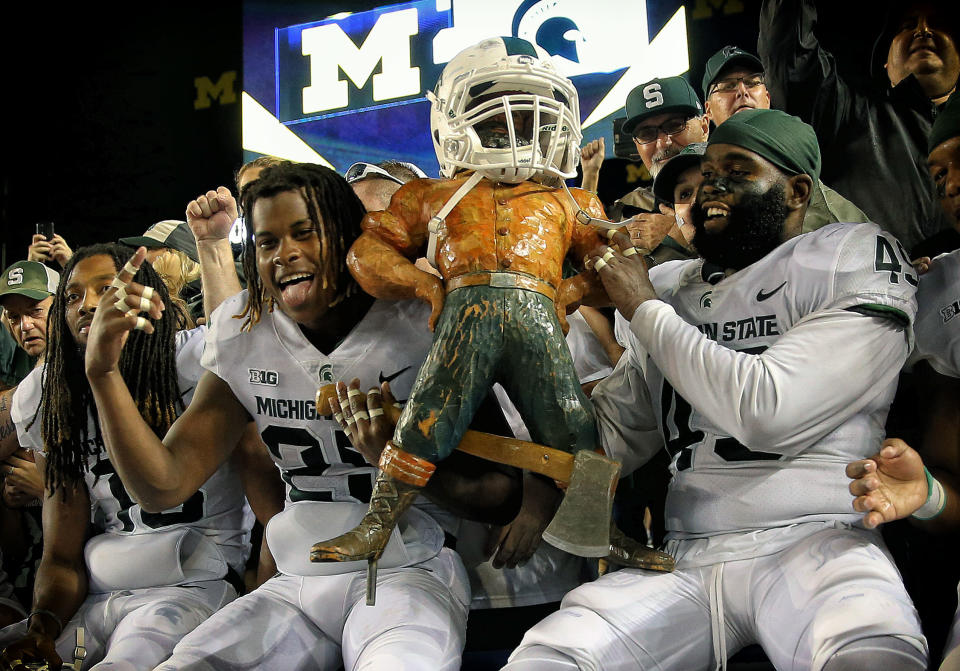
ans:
(526, 227)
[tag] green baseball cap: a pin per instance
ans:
(947, 123)
(170, 233)
(29, 278)
(660, 96)
(666, 180)
(783, 139)
(728, 56)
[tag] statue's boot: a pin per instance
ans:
(402, 476)
(627, 552)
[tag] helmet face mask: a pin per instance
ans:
(509, 116)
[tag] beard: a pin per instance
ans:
(753, 230)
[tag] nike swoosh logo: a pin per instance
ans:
(391, 378)
(764, 296)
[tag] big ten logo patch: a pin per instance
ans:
(268, 378)
(950, 311)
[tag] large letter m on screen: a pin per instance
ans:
(331, 50)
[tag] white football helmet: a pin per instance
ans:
(501, 108)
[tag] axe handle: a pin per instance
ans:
(555, 464)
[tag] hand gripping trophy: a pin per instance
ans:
(506, 129)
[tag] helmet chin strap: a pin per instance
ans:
(586, 219)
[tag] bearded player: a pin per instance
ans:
(302, 321)
(148, 576)
(759, 424)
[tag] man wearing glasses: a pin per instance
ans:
(733, 81)
(664, 115)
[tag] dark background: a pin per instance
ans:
(104, 139)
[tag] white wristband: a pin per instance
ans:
(936, 500)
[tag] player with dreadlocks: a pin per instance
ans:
(301, 321)
(147, 577)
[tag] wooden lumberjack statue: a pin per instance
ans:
(506, 129)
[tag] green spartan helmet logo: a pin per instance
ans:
(326, 373)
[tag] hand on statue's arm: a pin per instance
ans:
(368, 418)
(648, 229)
(624, 277)
(210, 217)
(516, 542)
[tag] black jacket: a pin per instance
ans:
(873, 139)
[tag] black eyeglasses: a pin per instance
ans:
(730, 84)
(648, 134)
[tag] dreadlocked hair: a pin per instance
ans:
(332, 206)
(147, 365)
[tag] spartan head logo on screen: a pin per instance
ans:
(391, 55)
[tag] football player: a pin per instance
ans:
(894, 484)
(147, 577)
(302, 321)
(772, 361)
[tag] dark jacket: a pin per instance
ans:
(873, 139)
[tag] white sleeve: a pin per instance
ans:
(25, 410)
(815, 377)
(625, 418)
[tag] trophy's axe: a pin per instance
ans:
(581, 525)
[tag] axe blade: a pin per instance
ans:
(581, 525)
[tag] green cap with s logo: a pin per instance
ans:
(29, 278)
(660, 96)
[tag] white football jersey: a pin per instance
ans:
(216, 508)
(274, 371)
(938, 318)
(814, 295)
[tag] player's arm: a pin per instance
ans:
(893, 484)
(811, 380)
(264, 490)
(625, 419)
(790, 395)
(158, 475)
(261, 479)
(211, 217)
(8, 430)
(162, 474)
(61, 581)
